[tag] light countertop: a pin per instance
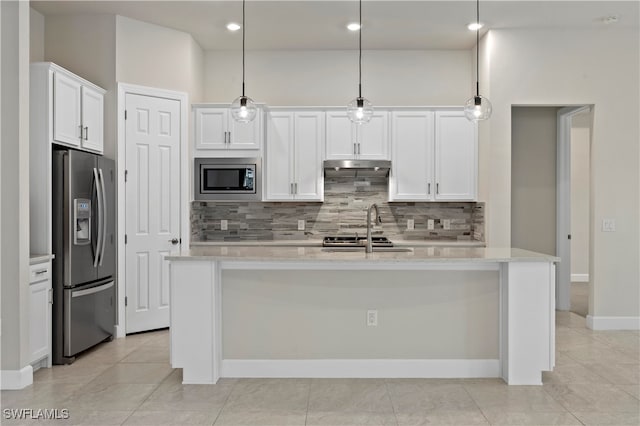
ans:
(318, 243)
(35, 258)
(318, 254)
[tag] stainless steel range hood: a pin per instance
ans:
(357, 168)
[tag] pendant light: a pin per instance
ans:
(360, 109)
(243, 108)
(477, 108)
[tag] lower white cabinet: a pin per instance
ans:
(293, 151)
(40, 300)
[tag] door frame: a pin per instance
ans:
(563, 204)
(185, 234)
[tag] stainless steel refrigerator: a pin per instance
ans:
(84, 268)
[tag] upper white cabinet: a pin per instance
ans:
(215, 129)
(77, 116)
(293, 150)
(346, 140)
(434, 157)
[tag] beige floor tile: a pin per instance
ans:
(633, 390)
(269, 394)
(115, 396)
(473, 417)
(573, 373)
(513, 398)
(178, 418)
(134, 373)
(41, 395)
(593, 397)
(323, 418)
(81, 373)
(261, 418)
(598, 353)
(613, 419)
(496, 417)
(93, 418)
(569, 338)
(423, 397)
(564, 359)
(349, 395)
(146, 354)
(569, 319)
(619, 374)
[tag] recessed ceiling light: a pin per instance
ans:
(232, 26)
(475, 26)
(610, 19)
(354, 26)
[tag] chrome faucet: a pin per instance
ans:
(378, 221)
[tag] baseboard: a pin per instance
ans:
(361, 368)
(16, 379)
(613, 323)
(119, 332)
(579, 278)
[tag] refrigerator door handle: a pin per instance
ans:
(100, 219)
(103, 218)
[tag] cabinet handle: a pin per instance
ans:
(291, 188)
(429, 188)
(295, 188)
(354, 149)
(51, 296)
(86, 133)
(358, 148)
(41, 271)
(80, 131)
(437, 188)
(229, 137)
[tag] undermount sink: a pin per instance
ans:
(362, 249)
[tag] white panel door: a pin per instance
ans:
(412, 150)
(309, 129)
(92, 120)
(245, 135)
(279, 153)
(211, 128)
(373, 137)
(39, 320)
(341, 136)
(152, 207)
(456, 157)
(67, 127)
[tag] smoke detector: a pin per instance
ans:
(611, 19)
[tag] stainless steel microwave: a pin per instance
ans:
(227, 179)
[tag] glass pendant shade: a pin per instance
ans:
(243, 109)
(477, 108)
(360, 110)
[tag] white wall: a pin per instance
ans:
(555, 67)
(533, 178)
(330, 77)
(580, 146)
(14, 184)
(155, 56)
(36, 37)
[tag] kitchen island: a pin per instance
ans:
(265, 311)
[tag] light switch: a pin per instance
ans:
(608, 225)
(446, 224)
(301, 225)
(224, 224)
(430, 224)
(411, 224)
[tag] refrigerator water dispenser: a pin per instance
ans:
(81, 221)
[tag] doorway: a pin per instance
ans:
(546, 209)
(153, 201)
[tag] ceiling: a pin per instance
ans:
(319, 25)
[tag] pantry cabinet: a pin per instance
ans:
(40, 301)
(216, 130)
(346, 140)
(434, 156)
(293, 151)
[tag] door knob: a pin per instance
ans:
(174, 241)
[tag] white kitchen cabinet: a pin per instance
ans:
(293, 150)
(346, 140)
(215, 129)
(40, 314)
(77, 115)
(434, 156)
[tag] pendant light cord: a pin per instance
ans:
(478, 48)
(360, 56)
(243, 26)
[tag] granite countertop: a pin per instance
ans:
(318, 243)
(318, 254)
(35, 258)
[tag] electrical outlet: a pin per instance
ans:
(446, 224)
(430, 224)
(608, 225)
(411, 224)
(224, 224)
(372, 318)
(301, 225)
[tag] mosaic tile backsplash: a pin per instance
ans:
(344, 212)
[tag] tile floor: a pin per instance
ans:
(129, 381)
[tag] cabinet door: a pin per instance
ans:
(341, 137)
(309, 134)
(211, 128)
(39, 320)
(456, 157)
(245, 135)
(412, 163)
(373, 137)
(92, 120)
(66, 110)
(279, 153)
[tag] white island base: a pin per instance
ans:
(525, 317)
